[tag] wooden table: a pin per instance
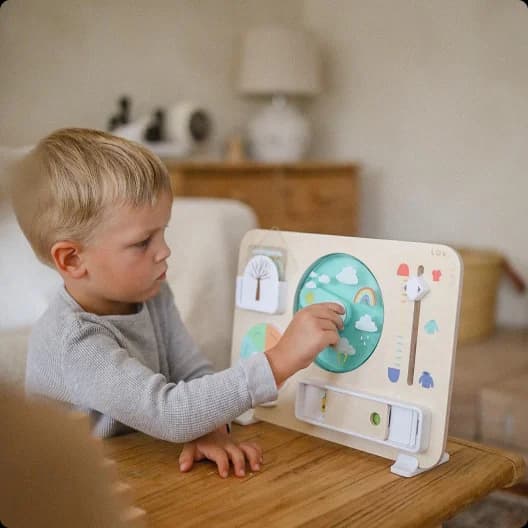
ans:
(306, 481)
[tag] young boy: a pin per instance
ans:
(95, 207)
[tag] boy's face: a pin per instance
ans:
(127, 259)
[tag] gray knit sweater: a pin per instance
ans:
(141, 371)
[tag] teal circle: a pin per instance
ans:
(343, 278)
(259, 338)
(253, 341)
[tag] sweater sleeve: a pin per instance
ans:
(184, 359)
(101, 375)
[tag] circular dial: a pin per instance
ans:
(344, 279)
(259, 338)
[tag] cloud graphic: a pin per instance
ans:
(347, 275)
(311, 285)
(344, 347)
(313, 274)
(366, 324)
(325, 279)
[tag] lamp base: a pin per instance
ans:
(279, 133)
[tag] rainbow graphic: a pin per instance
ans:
(365, 296)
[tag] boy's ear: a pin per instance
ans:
(67, 258)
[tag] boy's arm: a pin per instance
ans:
(101, 375)
(184, 359)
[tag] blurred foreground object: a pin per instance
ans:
(53, 470)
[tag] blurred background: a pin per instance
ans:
(429, 97)
(402, 120)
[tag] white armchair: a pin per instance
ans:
(204, 236)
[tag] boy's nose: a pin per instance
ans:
(164, 253)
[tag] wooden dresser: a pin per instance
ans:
(312, 197)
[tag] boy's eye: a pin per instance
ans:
(143, 243)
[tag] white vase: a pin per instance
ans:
(279, 133)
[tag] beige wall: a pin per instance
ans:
(65, 62)
(431, 97)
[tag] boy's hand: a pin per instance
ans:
(311, 330)
(220, 448)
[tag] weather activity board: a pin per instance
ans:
(385, 387)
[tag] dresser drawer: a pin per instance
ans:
(308, 193)
(310, 197)
(258, 191)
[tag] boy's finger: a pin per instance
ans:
(219, 456)
(253, 455)
(238, 459)
(334, 306)
(331, 325)
(327, 310)
(331, 337)
(186, 459)
(258, 449)
(330, 315)
(337, 307)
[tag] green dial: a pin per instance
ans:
(341, 278)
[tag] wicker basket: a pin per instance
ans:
(482, 273)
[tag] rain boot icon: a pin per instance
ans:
(394, 374)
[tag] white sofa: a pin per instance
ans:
(204, 236)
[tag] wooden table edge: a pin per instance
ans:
(518, 464)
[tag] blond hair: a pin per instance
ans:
(65, 185)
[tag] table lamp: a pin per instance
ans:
(281, 62)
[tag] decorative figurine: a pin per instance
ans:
(155, 131)
(123, 115)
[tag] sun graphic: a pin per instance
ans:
(309, 297)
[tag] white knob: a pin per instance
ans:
(416, 288)
(345, 314)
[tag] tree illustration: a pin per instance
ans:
(260, 270)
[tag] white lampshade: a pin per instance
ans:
(279, 60)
